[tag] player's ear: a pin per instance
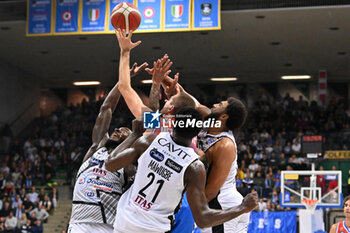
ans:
(223, 116)
(171, 108)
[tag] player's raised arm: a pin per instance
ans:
(132, 99)
(159, 71)
(203, 215)
(103, 120)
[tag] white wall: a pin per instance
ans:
(19, 97)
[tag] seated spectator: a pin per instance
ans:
(239, 182)
(264, 162)
(247, 180)
(269, 183)
(2, 182)
(16, 201)
(258, 182)
(18, 210)
(22, 194)
(2, 226)
(46, 203)
(282, 162)
(9, 186)
(240, 173)
(22, 221)
(11, 223)
(5, 211)
(258, 155)
(27, 204)
(296, 147)
(54, 197)
(15, 175)
(287, 149)
(36, 224)
(40, 213)
(29, 181)
(275, 197)
(33, 196)
(26, 228)
(277, 184)
(268, 148)
(4, 169)
(253, 166)
(274, 162)
(262, 205)
(333, 183)
(321, 181)
(41, 194)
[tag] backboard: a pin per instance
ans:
(300, 188)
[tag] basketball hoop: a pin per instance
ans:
(310, 204)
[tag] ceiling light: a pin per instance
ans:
(87, 83)
(333, 28)
(289, 77)
(275, 43)
(147, 81)
(226, 79)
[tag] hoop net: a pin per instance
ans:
(310, 204)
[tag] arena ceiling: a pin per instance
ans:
(253, 45)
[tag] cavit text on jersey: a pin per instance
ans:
(171, 147)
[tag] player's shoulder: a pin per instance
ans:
(334, 228)
(195, 168)
(224, 145)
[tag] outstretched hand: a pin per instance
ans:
(137, 69)
(173, 88)
(161, 69)
(124, 40)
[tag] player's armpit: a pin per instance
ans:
(222, 155)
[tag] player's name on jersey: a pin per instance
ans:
(160, 170)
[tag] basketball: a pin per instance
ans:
(125, 16)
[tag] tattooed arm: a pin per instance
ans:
(159, 72)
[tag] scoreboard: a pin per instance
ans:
(312, 146)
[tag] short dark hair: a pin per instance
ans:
(187, 114)
(237, 113)
(345, 200)
(183, 100)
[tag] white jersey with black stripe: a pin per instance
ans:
(150, 203)
(96, 191)
(204, 142)
(228, 195)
